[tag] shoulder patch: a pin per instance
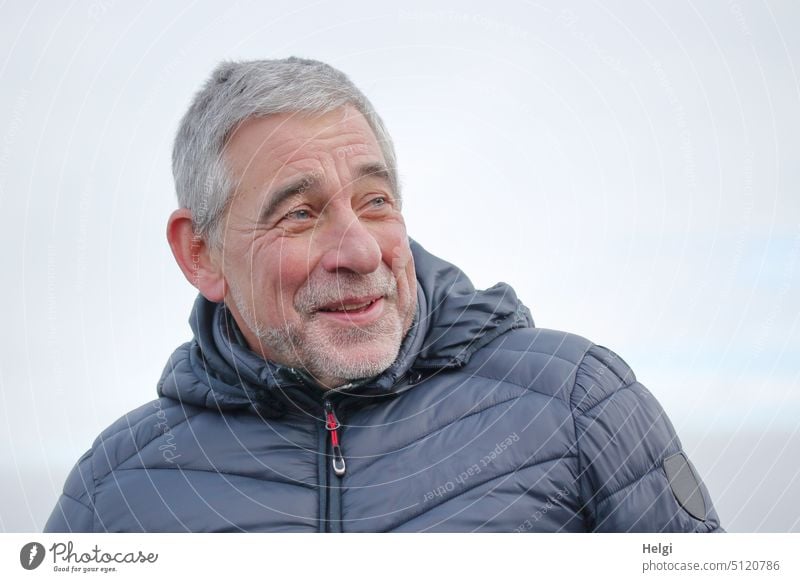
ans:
(685, 485)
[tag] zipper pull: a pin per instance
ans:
(332, 424)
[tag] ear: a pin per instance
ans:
(194, 256)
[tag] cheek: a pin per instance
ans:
(285, 272)
(401, 262)
(396, 253)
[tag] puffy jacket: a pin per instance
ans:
(483, 423)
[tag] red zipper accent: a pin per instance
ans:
(332, 424)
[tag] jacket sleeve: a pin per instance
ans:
(633, 474)
(73, 511)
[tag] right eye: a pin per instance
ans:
(299, 214)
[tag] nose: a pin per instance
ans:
(350, 246)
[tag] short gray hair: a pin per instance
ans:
(239, 90)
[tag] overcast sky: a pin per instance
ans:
(630, 168)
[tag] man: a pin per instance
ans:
(341, 378)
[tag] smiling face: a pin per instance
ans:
(317, 267)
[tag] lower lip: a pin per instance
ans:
(366, 316)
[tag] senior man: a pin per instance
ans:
(341, 378)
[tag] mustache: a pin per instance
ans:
(324, 289)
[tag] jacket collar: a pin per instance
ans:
(453, 320)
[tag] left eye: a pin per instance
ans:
(380, 201)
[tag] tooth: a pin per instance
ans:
(353, 307)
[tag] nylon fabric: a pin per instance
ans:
(483, 423)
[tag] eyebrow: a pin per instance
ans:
(309, 181)
(293, 188)
(373, 170)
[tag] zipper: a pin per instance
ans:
(330, 502)
(334, 492)
(323, 472)
(332, 425)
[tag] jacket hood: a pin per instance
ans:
(453, 320)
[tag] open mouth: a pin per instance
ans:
(359, 307)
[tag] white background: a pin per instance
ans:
(631, 168)
(456, 557)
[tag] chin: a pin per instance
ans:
(353, 362)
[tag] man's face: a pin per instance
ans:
(318, 270)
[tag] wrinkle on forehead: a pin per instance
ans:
(283, 139)
(268, 153)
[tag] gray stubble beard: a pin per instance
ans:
(304, 345)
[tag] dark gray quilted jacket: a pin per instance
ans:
(483, 423)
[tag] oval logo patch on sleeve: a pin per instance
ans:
(685, 485)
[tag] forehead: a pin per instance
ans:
(285, 142)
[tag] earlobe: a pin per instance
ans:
(194, 256)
